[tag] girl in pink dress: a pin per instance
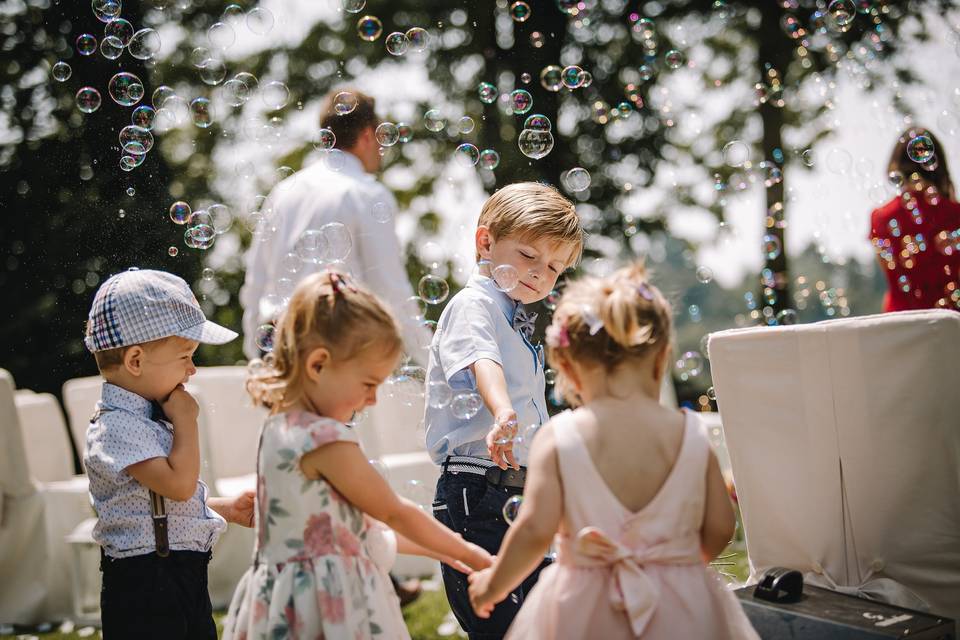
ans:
(631, 489)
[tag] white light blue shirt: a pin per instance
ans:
(477, 323)
(122, 434)
(311, 198)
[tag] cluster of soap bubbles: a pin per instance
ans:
(202, 225)
(536, 139)
(327, 246)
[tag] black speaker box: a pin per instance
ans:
(822, 614)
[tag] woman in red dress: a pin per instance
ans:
(917, 234)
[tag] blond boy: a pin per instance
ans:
(527, 235)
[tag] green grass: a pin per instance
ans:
(422, 617)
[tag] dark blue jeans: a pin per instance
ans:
(157, 598)
(471, 506)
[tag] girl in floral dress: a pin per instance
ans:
(323, 511)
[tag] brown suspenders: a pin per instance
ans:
(158, 511)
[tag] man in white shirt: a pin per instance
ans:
(340, 188)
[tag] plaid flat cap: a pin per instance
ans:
(138, 306)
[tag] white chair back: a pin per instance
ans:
(845, 446)
(45, 437)
(232, 420)
(80, 398)
(14, 471)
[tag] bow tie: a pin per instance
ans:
(156, 412)
(524, 322)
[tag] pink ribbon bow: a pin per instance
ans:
(632, 590)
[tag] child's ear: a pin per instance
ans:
(133, 360)
(316, 360)
(484, 240)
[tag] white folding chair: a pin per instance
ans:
(80, 397)
(845, 444)
(45, 437)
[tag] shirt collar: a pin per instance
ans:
(119, 398)
(507, 304)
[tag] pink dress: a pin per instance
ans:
(629, 575)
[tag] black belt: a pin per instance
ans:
(496, 476)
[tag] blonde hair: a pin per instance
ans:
(609, 321)
(326, 310)
(533, 210)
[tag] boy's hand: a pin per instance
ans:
(181, 407)
(500, 439)
(238, 510)
(480, 597)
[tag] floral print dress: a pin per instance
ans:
(313, 574)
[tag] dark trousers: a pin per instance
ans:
(473, 507)
(157, 598)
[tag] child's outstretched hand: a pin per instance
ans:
(238, 510)
(481, 599)
(500, 439)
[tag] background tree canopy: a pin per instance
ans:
(683, 106)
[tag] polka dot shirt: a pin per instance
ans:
(123, 433)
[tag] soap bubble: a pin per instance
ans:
(552, 300)
(369, 28)
(61, 71)
(511, 508)
(525, 78)
(106, 10)
(433, 289)
(505, 277)
(842, 11)
(736, 153)
(221, 35)
(260, 21)
(396, 43)
(344, 103)
(689, 365)
(353, 6)
(489, 159)
(488, 93)
(88, 99)
(674, 59)
(86, 44)
(433, 120)
(201, 112)
(521, 101)
(536, 39)
(439, 394)
(144, 44)
(111, 48)
(551, 78)
(339, 241)
(160, 96)
(585, 79)
(180, 212)
(570, 76)
(221, 216)
(264, 337)
(537, 122)
(135, 140)
(920, 149)
(172, 252)
(415, 307)
(418, 39)
(276, 95)
(312, 246)
(208, 274)
(467, 154)
(387, 134)
(466, 124)
(143, 116)
(520, 11)
(235, 92)
(576, 179)
(535, 144)
(326, 140)
(120, 29)
(381, 212)
(704, 275)
(213, 71)
(405, 131)
(465, 404)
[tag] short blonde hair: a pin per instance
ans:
(609, 321)
(326, 310)
(532, 210)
